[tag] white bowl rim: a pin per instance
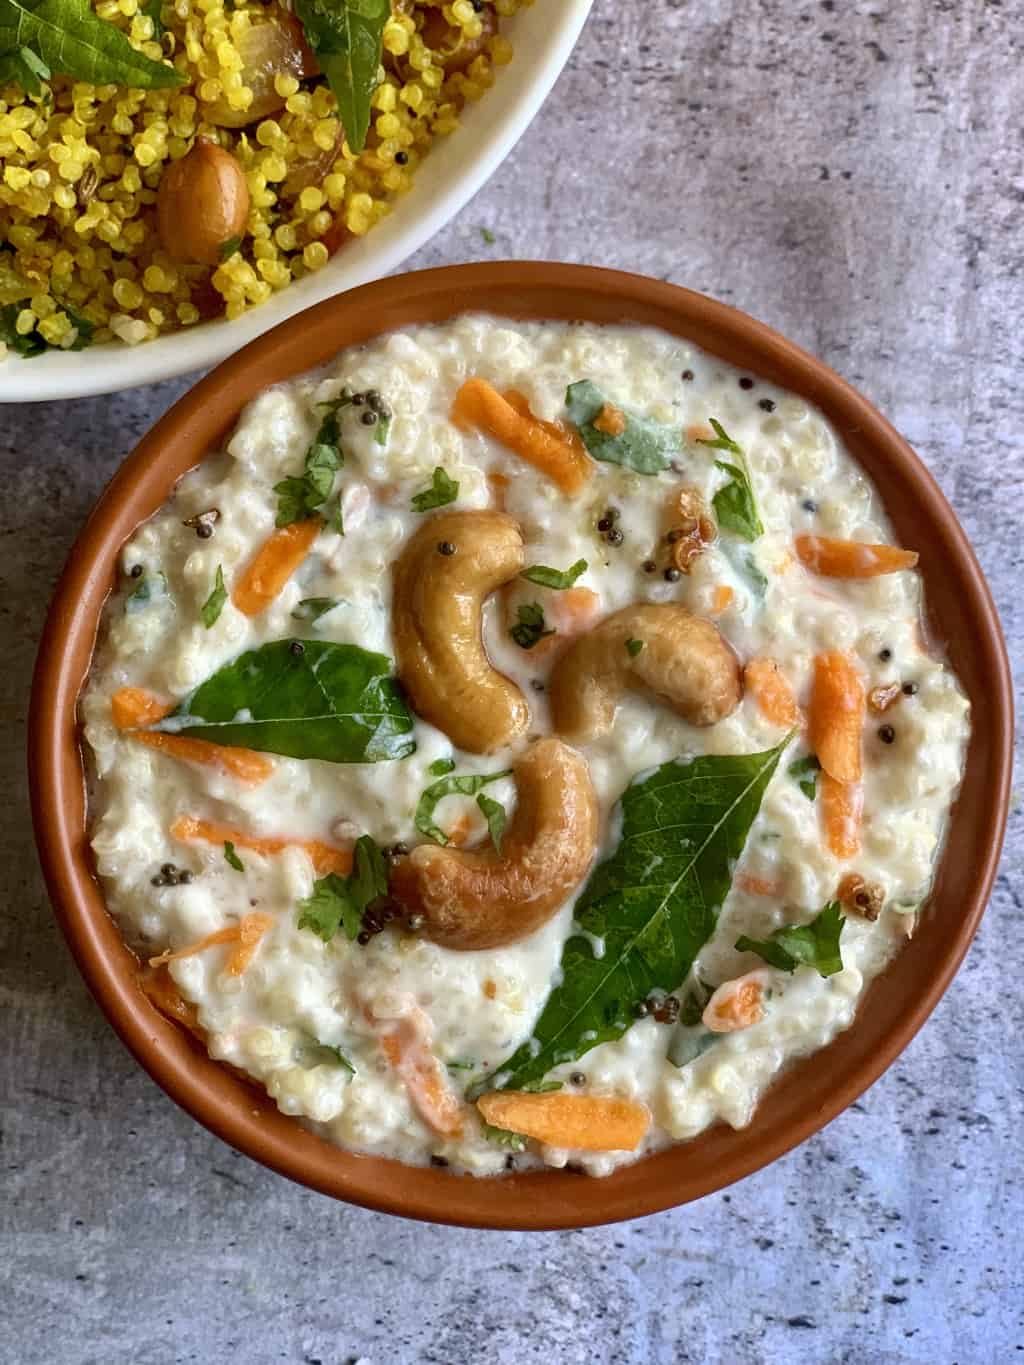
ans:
(498, 122)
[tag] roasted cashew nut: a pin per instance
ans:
(654, 647)
(479, 898)
(452, 563)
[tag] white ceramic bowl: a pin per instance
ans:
(543, 36)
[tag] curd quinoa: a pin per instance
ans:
(518, 744)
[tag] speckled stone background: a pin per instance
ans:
(854, 174)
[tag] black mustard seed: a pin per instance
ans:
(136, 571)
(746, 383)
(886, 734)
(767, 405)
(297, 647)
(672, 575)
(446, 548)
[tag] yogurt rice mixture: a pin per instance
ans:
(518, 744)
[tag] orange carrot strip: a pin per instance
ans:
(133, 707)
(736, 1004)
(246, 934)
(406, 1048)
(229, 934)
(161, 990)
(841, 806)
(245, 764)
(837, 715)
(251, 929)
(757, 886)
(851, 558)
(771, 689)
(273, 564)
(721, 599)
(324, 857)
(587, 1123)
(479, 405)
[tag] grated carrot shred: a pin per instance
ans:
(324, 857)
(246, 934)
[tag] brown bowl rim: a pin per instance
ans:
(809, 1093)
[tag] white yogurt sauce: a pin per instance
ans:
(299, 990)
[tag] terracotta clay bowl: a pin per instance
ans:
(962, 619)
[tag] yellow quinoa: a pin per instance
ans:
(80, 165)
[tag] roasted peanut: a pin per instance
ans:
(436, 621)
(655, 647)
(478, 898)
(202, 204)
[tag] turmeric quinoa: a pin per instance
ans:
(128, 212)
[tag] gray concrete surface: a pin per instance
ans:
(854, 174)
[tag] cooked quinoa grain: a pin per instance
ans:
(81, 257)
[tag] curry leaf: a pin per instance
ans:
(554, 578)
(303, 699)
(466, 785)
(813, 945)
(71, 39)
(644, 446)
(650, 907)
(346, 36)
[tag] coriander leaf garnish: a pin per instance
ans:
(440, 766)
(229, 247)
(382, 430)
(231, 857)
(33, 343)
(214, 604)
(734, 503)
(503, 1137)
(722, 441)
(633, 647)
(302, 699)
(347, 37)
(342, 901)
(312, 608)
(150, 587)
(530, 627)
(554, 578)
(338, 1056)
(442, 491)
(813, 945)
(488, 236)
(653, 904)
(494, 813)
(644, 446)
(694, 1002)
(806, 770)
(469, 784)
(301, 497)
(69, 38)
